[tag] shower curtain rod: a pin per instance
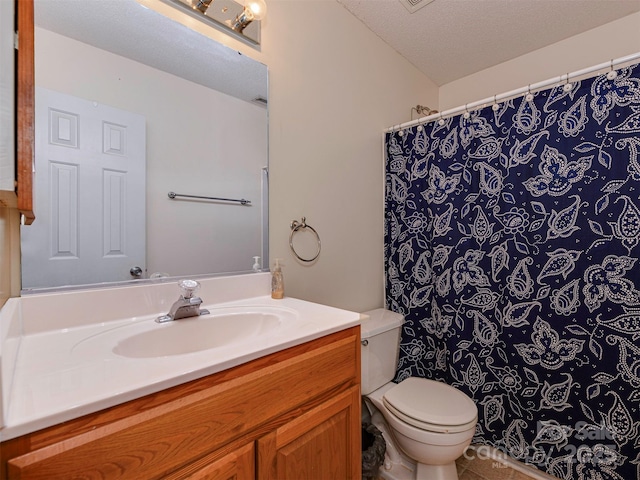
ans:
(517, 92)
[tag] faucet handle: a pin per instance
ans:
(188, 287)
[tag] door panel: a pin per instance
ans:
(89, 194)
(318, 445)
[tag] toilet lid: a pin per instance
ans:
(431, 405)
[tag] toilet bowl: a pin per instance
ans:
(430, 422)
(433, 446)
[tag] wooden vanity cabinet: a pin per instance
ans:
(293, 414)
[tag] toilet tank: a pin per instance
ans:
(380, 335)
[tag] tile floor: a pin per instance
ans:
(478, 469)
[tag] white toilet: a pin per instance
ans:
(430, 422)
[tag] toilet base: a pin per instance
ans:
(396, 465)
(437, 472)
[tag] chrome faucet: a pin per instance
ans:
(187, 305)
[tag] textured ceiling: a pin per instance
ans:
(450, 39)
(446, 39)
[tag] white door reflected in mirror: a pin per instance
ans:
(89, 194)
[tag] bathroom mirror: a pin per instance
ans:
(201, 126)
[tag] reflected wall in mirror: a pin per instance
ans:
(203, 108)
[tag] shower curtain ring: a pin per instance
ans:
(495, 107)
(466, 111)
(612, 73)
(568, 85)
(441, 120)
(529, 95)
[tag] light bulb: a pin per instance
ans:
(253, 10)
(258, 9)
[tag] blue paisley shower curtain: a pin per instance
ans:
(511, 246)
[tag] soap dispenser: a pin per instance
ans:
(256, 264)
(277, 281)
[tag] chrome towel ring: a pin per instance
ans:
(295, 226)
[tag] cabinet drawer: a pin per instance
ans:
(152, 442)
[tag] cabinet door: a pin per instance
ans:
(239, 464)
(322, 444)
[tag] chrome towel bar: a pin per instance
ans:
(242, 201)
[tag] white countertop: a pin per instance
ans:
(64, 374)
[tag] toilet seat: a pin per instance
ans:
(431, 406)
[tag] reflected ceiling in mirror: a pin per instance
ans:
(194, 95)
(129, 29)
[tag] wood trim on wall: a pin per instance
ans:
(25, 107)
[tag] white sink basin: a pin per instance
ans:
(222, 328)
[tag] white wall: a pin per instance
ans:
(599, 45)
(5, 257)
(9, 253)
(334, 88)
(199, 142)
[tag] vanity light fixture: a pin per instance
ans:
(202, 5)
(253, 10)
(239, 18)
